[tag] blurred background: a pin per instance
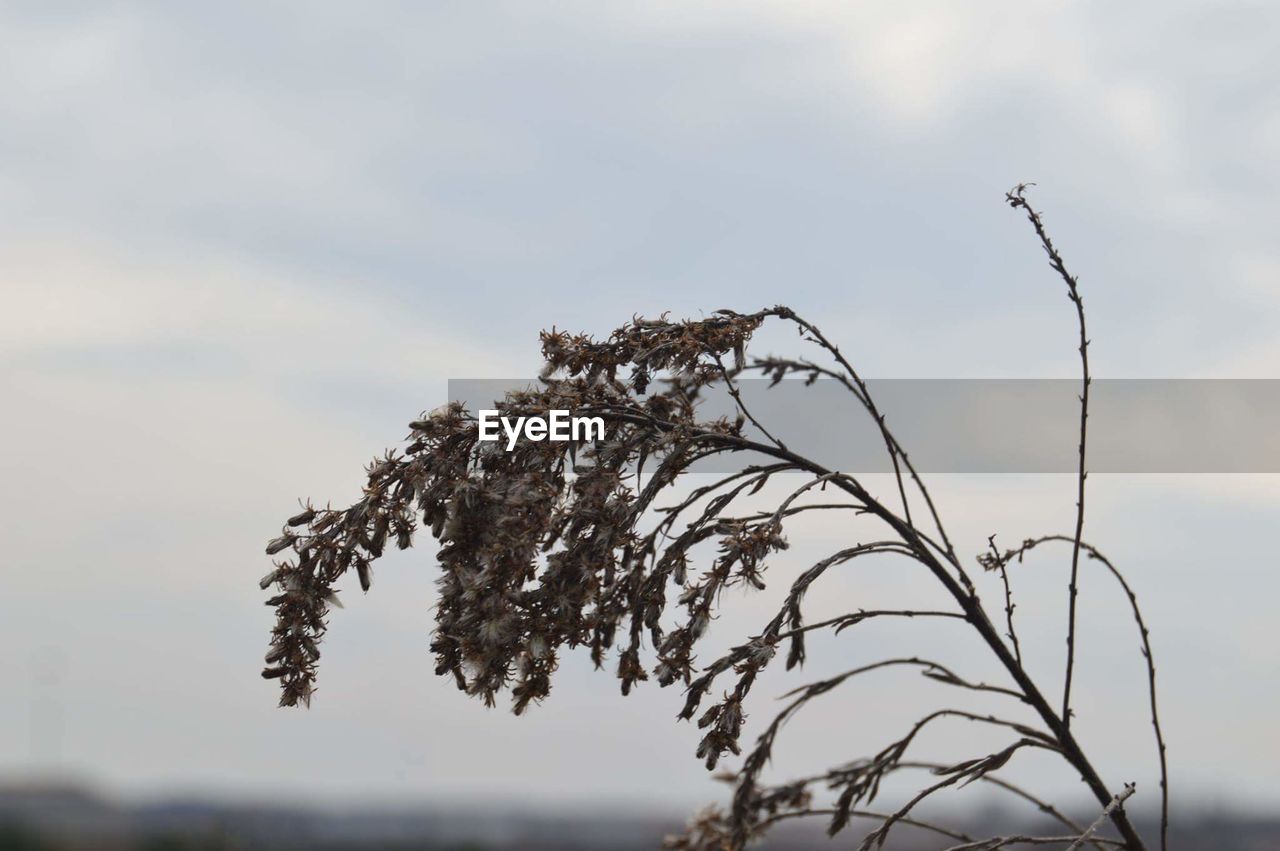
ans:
(243, 244)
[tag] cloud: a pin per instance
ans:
(67, 296)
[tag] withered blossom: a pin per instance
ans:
(554, 546)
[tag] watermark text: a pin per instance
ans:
(557, 425)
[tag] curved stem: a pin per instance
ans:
(882, 817)
(1147, 654)
(1017, 201)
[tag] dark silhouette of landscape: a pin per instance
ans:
(71, 817)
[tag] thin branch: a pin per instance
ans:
(1012, 788)
(1147, 654)
(967, 771)
(798, 509)
(798, 492)
(934, 670)
(1117, 803)
(1017, 201)
(732, 387)
(867, 814)
(845, 621)
(1008, 599)
(896, 451)
(836, 775)
(997, 842)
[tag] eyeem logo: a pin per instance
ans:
(557, 425)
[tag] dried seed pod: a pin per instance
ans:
(302, 517)
(278, 544)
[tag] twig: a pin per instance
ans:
(868, 814)
(967, 771)
(997, 842)
(1017, 201)
(1014, 789)
(1116, 803)
(1008, 599)
(732, 386)
(1147, 654)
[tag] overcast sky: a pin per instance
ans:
(243, 244)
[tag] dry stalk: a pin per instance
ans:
(552, 546)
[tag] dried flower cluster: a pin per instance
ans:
(556, 545)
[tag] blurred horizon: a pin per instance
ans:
(68, 817)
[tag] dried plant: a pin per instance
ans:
(553, 546)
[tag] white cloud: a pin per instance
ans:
(66, 294)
